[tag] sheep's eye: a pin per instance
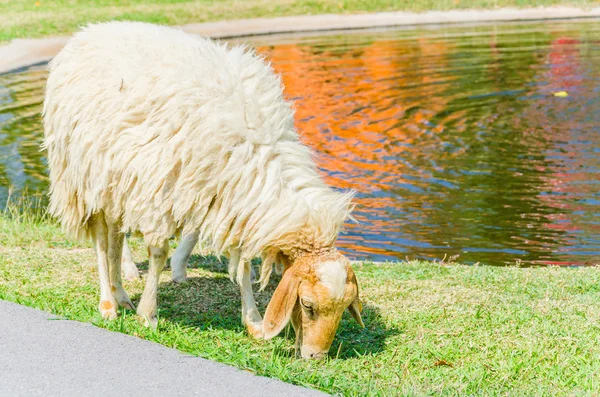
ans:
(307, 305)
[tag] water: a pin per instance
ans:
(452, 137)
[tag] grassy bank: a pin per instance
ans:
(30, 18)
(431, 329)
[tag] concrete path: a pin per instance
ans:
(23, 52)
(41, 355)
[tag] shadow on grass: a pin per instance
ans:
(213, 301)
(353, 341)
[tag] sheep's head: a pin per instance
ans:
(313, 293)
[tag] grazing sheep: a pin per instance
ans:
(158, 132)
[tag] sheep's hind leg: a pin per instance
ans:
(181, 256)
(130, 270)
(115, 250)
(147, 307)
(108, 304)
(250, 314)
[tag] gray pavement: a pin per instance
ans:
(41, 355)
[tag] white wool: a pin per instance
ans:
(333, 275)
(167, 131)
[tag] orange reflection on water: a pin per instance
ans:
(452, 137)
(353, 108)
(400, 121)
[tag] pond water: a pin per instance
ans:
(480, 143)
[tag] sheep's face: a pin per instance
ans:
(313, 293)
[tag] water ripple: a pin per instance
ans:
(452, 137)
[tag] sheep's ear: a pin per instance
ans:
(356, 306)
(279, 310)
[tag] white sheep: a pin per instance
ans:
(155, 131)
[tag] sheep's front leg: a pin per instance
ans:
(180, 258)
(147, 307)
(115, 250)
(250, 315)
(130, 270)
(108, 304)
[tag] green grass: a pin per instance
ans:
(431, 329)
(31, 18)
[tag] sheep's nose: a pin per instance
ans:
(313, 352)
(318, 355)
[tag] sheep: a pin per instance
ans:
(154, 131)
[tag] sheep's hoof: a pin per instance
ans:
(108, 310)
(125, 302)
(255, 330)
(149, 320)
(132, 276)
(179, 278)
(254, 324)
(130, 271)
(127, 305)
